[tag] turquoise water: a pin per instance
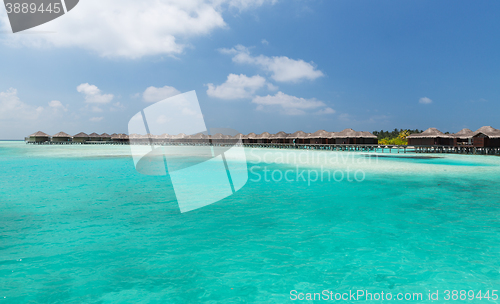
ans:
(80, 225)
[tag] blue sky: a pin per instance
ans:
(256, 65)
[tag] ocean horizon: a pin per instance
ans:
(81, 225)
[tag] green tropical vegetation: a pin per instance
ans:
(395, 137)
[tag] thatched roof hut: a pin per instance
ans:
(346, 133)
(279, 135)
(217, 136)
(239, 136)
(81, 137)
(251, 136)
(349, 136)
(39, 134)
(94, 136)
(105, 136)
(298, 134)
(320, 134)
(488, 131)
(366, 134)
(463, 134)
(179, 137)
(39, 137)
(429, 133)
(297, 137)
(430, 137)
(166, 136)
(200, 136)
(61, 137)
(264, 137)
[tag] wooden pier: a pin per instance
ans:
(323, 147)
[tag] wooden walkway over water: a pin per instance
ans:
(323, 147)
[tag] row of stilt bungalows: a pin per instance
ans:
(347, 136)
(80, 138)
(483, 137)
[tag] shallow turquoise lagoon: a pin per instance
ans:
(78, 224)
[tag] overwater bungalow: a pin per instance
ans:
(263, 138)
(463, 137)
(120, 138)
(298, 137)
(238, 137)
(320, 137)
(220, 138)
(366, 137)
(105, 137)
(200, 138)
(167, 138)
(279, 138)
(94, 137)
(154, 139)
(81, 138)
(486, 137)
(61, 137)
(430, 137)
(251, 138)
(38, 137)
(179, 138)
(351, 137)
(132, 136)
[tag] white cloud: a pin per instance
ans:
(246, 4)
(57, 105)
(282, 68)
(19, 119)
(236, 87)
(425, 100)
(290, 105)
(326, 111)
(12, 108)
(96, 109)
(272, 87)
(117, 106)
(93, 94)
(264, 41)
(153, 94)
(130, 28)
(162, 119)
(96, 119)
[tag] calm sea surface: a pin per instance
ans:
(78, 224)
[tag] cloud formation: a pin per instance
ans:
(19, 119)
(131, 28)
(96, 119)
(237, 87)
(12, 108)
(93, 94)
(154, 94)
(291, 105)
(282, 68)
(425, 100)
